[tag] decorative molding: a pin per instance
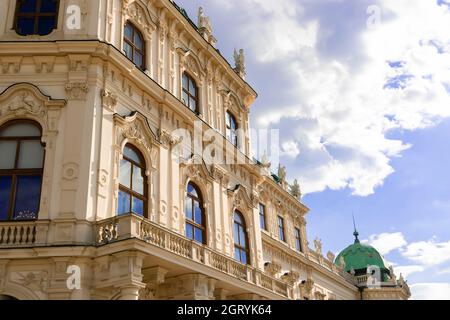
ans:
(76, 90)
(136, 129)
(109, 100)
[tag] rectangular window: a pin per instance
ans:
(262, 216)
(298, 240)
(281, 233)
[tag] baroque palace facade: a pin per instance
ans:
(94, 183)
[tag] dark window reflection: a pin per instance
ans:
(195, 215)
(36, 16)
(21, 166)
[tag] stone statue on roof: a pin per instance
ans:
(239, 61)
(203, 21)
(295, 189)
(281, 173)
(318, 245)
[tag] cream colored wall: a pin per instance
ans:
(89, 92)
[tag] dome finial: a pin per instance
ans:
(355, 233)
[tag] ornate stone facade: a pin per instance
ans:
(91, 101)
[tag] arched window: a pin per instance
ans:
(134, 46)
(21, 167)
(132, 183)
(36, 17)
(195, 215)
(231, 129)
(241, 249)
(190, 93)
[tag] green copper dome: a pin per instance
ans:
(359, 256)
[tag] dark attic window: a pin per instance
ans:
(36, 17)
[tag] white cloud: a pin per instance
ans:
(430, 291)
(290, 149)
(342, 96)
(406, 271)
(428, 253)
(386, 242)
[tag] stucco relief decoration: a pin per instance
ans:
(134, 128)
(138, 15)
(27, 100)
(109, 100)
(77, 90)
(34, 280)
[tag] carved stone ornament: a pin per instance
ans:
(134, 12)
(291, 277)
(331, 256)
(77, 90)
(272, 268)
(109, 100)
(134, 128)
(318, 245)
(239, 60)
(26, 100)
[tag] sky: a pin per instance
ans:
(360, 93)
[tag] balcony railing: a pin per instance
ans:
(23, 233)
(132, 226)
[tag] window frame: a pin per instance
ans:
(241, 225)
(190, 79)
(298, 239)
(133, 45)
(281, 229)
(36, 15)
(229, 116)
(262, 217)
(15, 172)
(129, 191)
(192, 222)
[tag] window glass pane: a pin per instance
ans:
(27, 6)
(189, 231)
(128, 50)
(188, 208)
(237, 254)
(237, 218)
(138, 180)
(46, 25)
(138, 40)
(185, 98)
(31, 155)
(125, 173)
(185, 81)
(198, 213)
(243, 257)
(20, 130)
(236, 233)
(25, 26)
(262, 222)
(138, 206)
(192, 88)
(192, 104)
(242, 238)
(49, 6)
(191, 190)
(129, 31)
(198, 235)
(5, 191)
(123, 205)
(138, 59)
(131, 154)
(7, 154)
(28, 192)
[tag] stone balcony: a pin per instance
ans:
(132, 226)
(32, 234)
